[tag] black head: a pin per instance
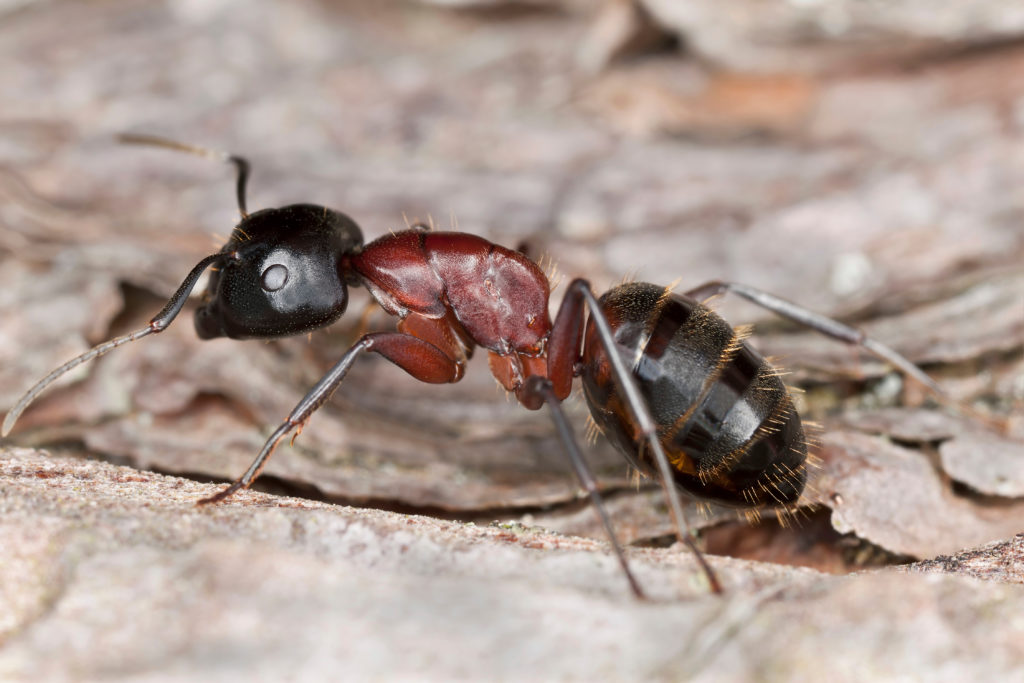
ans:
(280, 274)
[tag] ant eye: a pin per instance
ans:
(274, 277)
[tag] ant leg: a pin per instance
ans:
(422, 360)
(241, 163)
(564, 349)
(542, 387)
(820, 323)
(157, 324)
(844, 333)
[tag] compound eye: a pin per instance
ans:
(274, 277)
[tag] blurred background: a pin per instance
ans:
(863, 159)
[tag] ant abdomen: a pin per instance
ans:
(724, 417)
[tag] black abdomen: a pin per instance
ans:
(724, 417)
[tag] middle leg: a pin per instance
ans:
(540, 386)
(563, 354)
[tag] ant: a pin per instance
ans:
(673, 386)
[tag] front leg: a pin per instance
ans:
(419, 358)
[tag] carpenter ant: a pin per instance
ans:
(676, 389)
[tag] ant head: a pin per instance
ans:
(280, 274)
